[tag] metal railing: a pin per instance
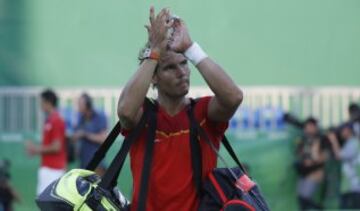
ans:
(20, 108)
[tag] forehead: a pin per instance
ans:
(171, 58)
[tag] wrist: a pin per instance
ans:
(38, 150)
(188, 45)
(151, 53)
(195, 53)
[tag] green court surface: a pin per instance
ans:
(269, 162)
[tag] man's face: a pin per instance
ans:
(44, 105)
(346, 133)
(81, 105)
(172, 75)
(310, 129)
(354, 114)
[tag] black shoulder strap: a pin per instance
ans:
(225, 141)
(231, 151)
(196, 155)
(108, 180)
(145, 174)
(102, 150)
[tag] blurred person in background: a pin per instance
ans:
(349, 155)
(52, 149)
(8, 194)
(90, 132)
(310, 159)
(354, 114)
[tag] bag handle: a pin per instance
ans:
(150, 140)
(104, 147)
(108, 180)
(195, 148)
(225, 142)
(231, 151)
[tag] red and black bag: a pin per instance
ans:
(226, 189)
(222, 192)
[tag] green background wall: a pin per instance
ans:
(259, 42)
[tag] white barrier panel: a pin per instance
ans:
(262, 105)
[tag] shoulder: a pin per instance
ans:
(202, 104)
(201, 114)
(56, 118)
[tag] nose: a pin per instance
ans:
(181, 70)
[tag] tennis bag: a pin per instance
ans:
(83, 190)
(227, 189)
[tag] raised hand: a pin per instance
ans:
(180, 39)
(158, 30)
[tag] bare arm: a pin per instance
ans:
(130, 103)
(318, 154)
(52, 148)
(334, 145)
(98, 138)
(133, 95)
(227, 94)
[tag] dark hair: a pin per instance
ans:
(353, 107)
(88, 101)
(311, 120)
(347, 126)
(49, 96)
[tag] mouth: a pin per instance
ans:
(183, 82)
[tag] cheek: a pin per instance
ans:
(165, 77)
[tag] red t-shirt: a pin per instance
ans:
(171, 185)
(54, 129)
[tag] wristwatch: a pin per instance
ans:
(150, 54)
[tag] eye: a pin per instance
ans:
(169, 67)
(183, 63)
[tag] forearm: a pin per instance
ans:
(52, 148)
(132, 96)
(98, 138)
(225, 90)
(336, 149)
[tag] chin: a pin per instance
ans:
(185, 91)
(182, 93)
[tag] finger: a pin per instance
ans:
(147, 27)
(171, 45)
(177, 21)
(152, 14)
(169, 23)
(164, 13)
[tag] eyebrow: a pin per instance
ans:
(166, 66)
(171, 65)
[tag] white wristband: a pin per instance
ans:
(195, 54)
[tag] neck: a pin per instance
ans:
(172, 105)
(50, 110)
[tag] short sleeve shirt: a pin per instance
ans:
(54, 130)
(171, 185)
(87, 148)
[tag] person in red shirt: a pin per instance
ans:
(164, 64)
(52, 149)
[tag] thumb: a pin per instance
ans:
(147, 28)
